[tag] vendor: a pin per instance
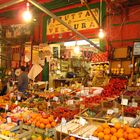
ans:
(22, 80)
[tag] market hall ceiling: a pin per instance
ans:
(56, 4)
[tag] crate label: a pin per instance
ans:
(116, 110)
(49, 104)
(6, 107)
(82, 121)
(19, 98)
(63, 121)
(70, 102)
(55, 98)
(134, 104)
(110, 111)
(9, 120)
(124, 102)
(16, 102)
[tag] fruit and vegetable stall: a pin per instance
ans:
(106, 113)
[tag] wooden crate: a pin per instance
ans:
(121, 52)
(126, 66)
(115, 64)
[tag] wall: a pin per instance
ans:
(124, 30)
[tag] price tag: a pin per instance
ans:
(124, 102)
(9, 120)
(110, 111)
(55, 98)
(49, 104)
(93, 138)
(19, 98)
(6, 107)
(134, 104)
(70, 102)
(63, 121)
(82, 121)
(16, 102)
(116, 110)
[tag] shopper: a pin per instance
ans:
(22, 80)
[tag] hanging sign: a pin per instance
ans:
(82, 20)
(137, 48)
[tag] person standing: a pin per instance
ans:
(22, 80)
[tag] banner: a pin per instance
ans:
(82, 20)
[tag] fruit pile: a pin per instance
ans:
(88, 102)
(105, 132)
(114, 87)
(41, 121)
(131, 111)
(63, 112)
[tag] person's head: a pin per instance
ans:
(22, 68)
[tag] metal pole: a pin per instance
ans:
(48, 12)
(10, 3)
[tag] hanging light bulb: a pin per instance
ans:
(27, 16)
(101, 34)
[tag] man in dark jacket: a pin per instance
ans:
(22, 80)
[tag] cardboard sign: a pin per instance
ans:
(55, 98)
(82, 121)
(124, 102)
(6, 107)
(110, 111)
(63, 121)
(9, 120)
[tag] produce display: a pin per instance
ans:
(131, 111)
(114, 87)
(117, 132)
(43, 112)
(41, 120)
(63, 112)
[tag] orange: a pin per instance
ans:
(120, 130)
(137, 130)
(42, 126)
(46, 121)
(53, 124)
(121, 138)
(113, 138)
(129, 130)
(106, 131)
(113, 130)
(117, 125)
(72, 138)
(100, 129)
(105, 125)
(130, 136)
(95, 133)
(135, 135)
(119, 134)
(125, 135)
(50, 119)
(125, 126)
(48, 126)
(106, 137)
(100, 135)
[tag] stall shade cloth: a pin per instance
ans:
(35, 71)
